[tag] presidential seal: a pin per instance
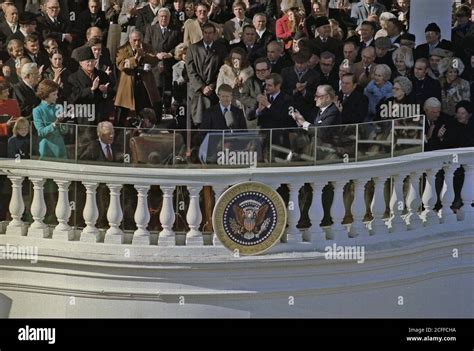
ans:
(249, 217)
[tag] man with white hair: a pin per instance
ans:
(435, 124)
(24, 90)
(103, 148)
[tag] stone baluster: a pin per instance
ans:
(194, 217)
(428, 216)
(316, 214)
(17, 207)
(218, 191)
(141, 236)
(293, 234)
(90, 233)
(339, 231)
(446, 215)
(358, 227)
(467, 195)
(167, 217)
(114, 235)
(63, 211)
(413, 201)
(38, 210)
(377, 207)
(397, 204)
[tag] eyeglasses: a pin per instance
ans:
(53, 8)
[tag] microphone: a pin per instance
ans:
(229, 119)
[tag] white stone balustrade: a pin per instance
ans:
(415, 167)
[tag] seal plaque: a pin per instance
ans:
(249, 217)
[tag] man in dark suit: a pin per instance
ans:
(146, 15)
(323, 40)
(326, 112)
(366, 8)
(353, 103)
(24, 90)
(9, 25)
(50, 24)
(27, 26)
(274, 110)
(276, 57)
(102, 149)
(327, 70)
(424, 86)
(300, 81)
(92, 17)
(203, 61)
(163, 40)
(263, 35)
(433, 41)
(104, 57)
(224, 115)
(90, 86)
(435, 120)
(249, 44)
(32, 50)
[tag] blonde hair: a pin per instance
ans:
(21, 121)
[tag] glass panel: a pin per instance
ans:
(374, 140)
(292, 147)
(408, 136)
(335, 144)
(90, 150)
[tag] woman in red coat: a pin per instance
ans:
(7, 107)
(287, 26)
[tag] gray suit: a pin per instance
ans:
(360, 11)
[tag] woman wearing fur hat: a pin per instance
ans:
(453, 88)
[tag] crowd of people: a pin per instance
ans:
(220, 64)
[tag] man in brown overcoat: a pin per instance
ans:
(137, 87)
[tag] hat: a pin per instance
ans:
(408, 36)
(288, 4)
(432, 27)
(84, 53)
(441, 53)
(451, 62)
(321, 21)
(465, 104)
(383, 43)
(26, 18)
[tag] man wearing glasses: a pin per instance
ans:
(52, 25)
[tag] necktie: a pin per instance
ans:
(271, 99)
(367, 71)
(208, 48)
(163, 31)
(240, 23)
(13, 28)
(369, 7)
(225, 110)
(109, 153)
(344, 98)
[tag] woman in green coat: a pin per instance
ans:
(47, 122)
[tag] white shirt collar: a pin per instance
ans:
(223, 107)
(154, 10)
(260, 33)
(29, 85)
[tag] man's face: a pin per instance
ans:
(407, 43)
(52, 46)
(434, 61)
(163, 19)
(17, 51)
(189, 9)
(34, 77)
(93, 7)
(135, 40)
(107, 134)
(321, 98)
(97, 50)
(313, 61)
(239, 12)
(95, 33)
(433, 113)
(273, 53)
(32, 47)
(11, 15)
(326, 65)
(347, 85)
(201, 13)
(420, 70)
(431, 37)
(366, 32)
(87, 65)
(350, 52)
(301, 66)
(271, 88)
(262, 70)
(249, 36)
(260, 22)
(154, 3)
(178, 5)
(30, 28)
(381, 52)
(52, 8)
(208, 35)
(462, 20)
(403, 4)
(392, 29)
(324, 31)
(225, 98)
